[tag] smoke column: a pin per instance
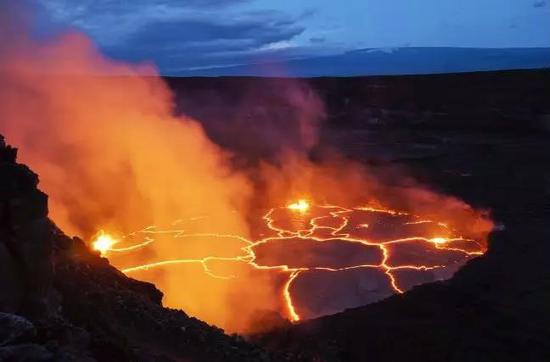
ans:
(111, 154)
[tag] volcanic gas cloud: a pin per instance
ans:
(164, 203)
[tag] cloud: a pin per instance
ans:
(68, 8)
(317, 40)
(189, 41)
(255, 31)
(540, 4)
(179, 33)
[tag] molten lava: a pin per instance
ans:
(439, 240)
(300, 205)
(389, 250)
(103, 243)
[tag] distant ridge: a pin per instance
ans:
(391, 61)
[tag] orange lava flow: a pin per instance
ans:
(391, 242)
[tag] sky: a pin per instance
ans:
(179, 35)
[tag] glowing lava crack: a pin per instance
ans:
(322, 251)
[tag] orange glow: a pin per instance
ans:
(300, 206)
(111, 152)
(439, 240)
(103, 243)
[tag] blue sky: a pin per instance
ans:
(191, 34)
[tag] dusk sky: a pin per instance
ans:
(191, 34)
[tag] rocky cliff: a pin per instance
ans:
(61, 302)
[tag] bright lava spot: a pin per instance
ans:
(103, 242)
(439, 240)
(300, 205)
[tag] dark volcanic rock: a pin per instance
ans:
(61, 302)
(25, 252)
(237, 111)
(497, 307)
(26, 352)
(14, 328)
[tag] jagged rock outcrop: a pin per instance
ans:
(61, 302)
(25, 255)
(14, 328)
